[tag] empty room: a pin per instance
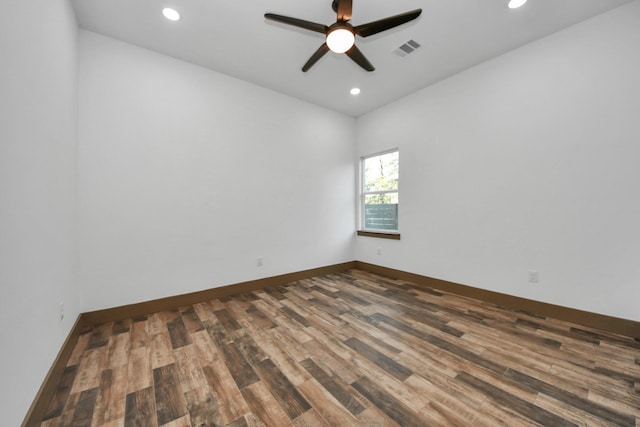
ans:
(226, 214)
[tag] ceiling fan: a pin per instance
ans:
(340, 37)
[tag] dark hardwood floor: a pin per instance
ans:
(347, 349)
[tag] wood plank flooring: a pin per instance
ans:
(348, 349)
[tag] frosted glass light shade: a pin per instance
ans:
(340, 40)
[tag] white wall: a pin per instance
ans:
(38, 141)
(528, 161)
(187, 176)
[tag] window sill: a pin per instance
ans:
(381, 235)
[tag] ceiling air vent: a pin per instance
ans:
(406, 48)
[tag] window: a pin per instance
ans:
(379, 197)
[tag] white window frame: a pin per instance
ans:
(363, 194)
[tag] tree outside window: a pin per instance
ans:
(380, 191)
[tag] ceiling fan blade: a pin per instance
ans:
(344, 10)
(322, 50)
(300, 23)
(357, 56)
(371, 28)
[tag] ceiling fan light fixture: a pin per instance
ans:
(514, 4)
(341, 36)
(340, 39)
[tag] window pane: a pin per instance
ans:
(381, 172)
(381, 199)
(381, 211)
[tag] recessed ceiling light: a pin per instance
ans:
(355, 91)
(514, 4)
(170, 14)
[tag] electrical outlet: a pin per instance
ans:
(533, 276)
(61, 310)
(259, 261)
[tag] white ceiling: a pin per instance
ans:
(232, 37)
